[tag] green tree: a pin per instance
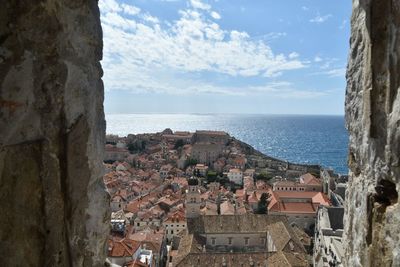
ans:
(132, 147)
(263, 176)
(190, 162)
(211, 176)
(179, 143)
(262, 206)
(136, 146)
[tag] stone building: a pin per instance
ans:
(206, 153)
(113, 153)
(241, 240)
(121, 251)
(307, 182)
(300, 207)
(235, 176)
(174, 224)
(216, 137)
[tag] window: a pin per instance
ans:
(213, 241)
(172, 232)
(229, 240)
(138, 224)
(246, 241)
(263, 240)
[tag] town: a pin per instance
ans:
(208, 199)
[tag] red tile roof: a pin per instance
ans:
(177, 216)
(122, 248)
(295, 207)
(281, 201)
(309, 179)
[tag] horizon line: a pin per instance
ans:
(224, 113)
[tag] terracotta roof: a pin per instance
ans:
(284, 259)
(110, 148)
(255, 196)
(286, 201)
(169, 201)
(191, 252)
(317, 197)
(287, 183)
(148, 235)
(249, 223)
(279, 234)
(309, 179)
(219, 259)
(227, 208)
(122, 248)
(303, 237)
(295, 207)
(135, 263)
(177, 216)
(240, 193)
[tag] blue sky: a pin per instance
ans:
(225, 56)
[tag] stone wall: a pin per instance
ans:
(53, 207)
(372, 216)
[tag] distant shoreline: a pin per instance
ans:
(234, 114)
(304, 139)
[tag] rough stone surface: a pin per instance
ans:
(372, 214)
(53, 203)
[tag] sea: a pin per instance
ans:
(310, 139)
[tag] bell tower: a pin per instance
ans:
(193, 200)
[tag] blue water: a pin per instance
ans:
(296, 138)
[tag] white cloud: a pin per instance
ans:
(320, 19)
(130, 10)
(199, 4)
(150, 18)
(215, 15)
(333, 73)
(328, 62)
(305, 8)
(293, 55)
(317, 59)
(143, 54)
(338, 72)
(118, 22)
(109, 6)
(269, 36)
